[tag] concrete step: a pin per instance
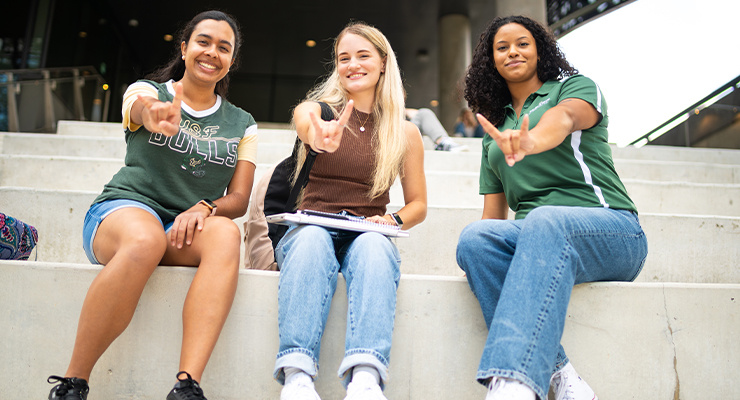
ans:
(677, 171)
(280, 133)
(688, 154)
(87, 128)
(443, 188)
(104, 146)
(461, 189)
(709, 247)
(682, 248)
(65, 173)
(666, 340)
(271, 152)
(652, 153)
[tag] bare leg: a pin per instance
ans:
(130, 243)
(215, 250)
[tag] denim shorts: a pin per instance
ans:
(97, 213)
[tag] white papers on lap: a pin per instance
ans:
(335, 221)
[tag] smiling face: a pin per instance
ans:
(515, 54)
(359, 64)
(209, 52)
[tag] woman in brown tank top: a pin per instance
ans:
(361, 153)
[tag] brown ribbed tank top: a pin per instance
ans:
(341, 181)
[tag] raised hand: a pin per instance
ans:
(162, 116)
(328, 134)
(514, 143)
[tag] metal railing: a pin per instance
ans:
(33, 100)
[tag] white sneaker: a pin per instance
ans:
(300, 388)
(568, 385)
(447, 144)
(508, 389)
(364, 387)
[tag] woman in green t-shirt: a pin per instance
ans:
(182, 142)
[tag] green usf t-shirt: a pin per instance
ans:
(171, 174)
(578, 172)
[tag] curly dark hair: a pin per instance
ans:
(175, 68)
(486, 90)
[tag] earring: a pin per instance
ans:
(183, 57)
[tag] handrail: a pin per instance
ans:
(693, 110)
(51, 81)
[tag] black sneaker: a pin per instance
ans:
(68, 388)
(186, 389)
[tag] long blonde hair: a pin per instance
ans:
(388, 108)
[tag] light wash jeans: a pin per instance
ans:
(428, 123)
(523, 271)
(310, 259)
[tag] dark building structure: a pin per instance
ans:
(87, 52)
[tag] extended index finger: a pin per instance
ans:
(488, 127)
(525, 125)
(344, 117)
(178, 96)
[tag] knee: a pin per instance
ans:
(426, 114)
(471, 238)
(376, 256)
(375, 246)
(308, 238)
(548, 219)
(221, 234)
(306, 247)
(146, 247)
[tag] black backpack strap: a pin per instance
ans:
(327, 115)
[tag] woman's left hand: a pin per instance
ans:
(514, 143)
(381, 219)
(183, 229)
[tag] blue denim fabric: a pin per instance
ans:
(310, 259)
(97, 213)
(523, 272)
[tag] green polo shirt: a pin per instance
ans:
(578, 172)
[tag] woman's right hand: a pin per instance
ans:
(328, 134)
(162, 116)
(514, 143)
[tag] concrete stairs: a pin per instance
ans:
(672, 334)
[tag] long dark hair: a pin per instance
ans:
(175, 68)
(486, 90)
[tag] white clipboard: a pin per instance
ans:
(336, 221)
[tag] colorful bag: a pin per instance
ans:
(17, 239)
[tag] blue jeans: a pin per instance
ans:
(428, 123)
(310, 259)
(523, 272)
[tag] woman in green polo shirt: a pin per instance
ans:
(547, 158)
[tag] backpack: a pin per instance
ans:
(274, 194)
(17, 238)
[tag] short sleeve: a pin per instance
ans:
(130, 97)
(581, 87)
(488, 181)
(247, 148)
